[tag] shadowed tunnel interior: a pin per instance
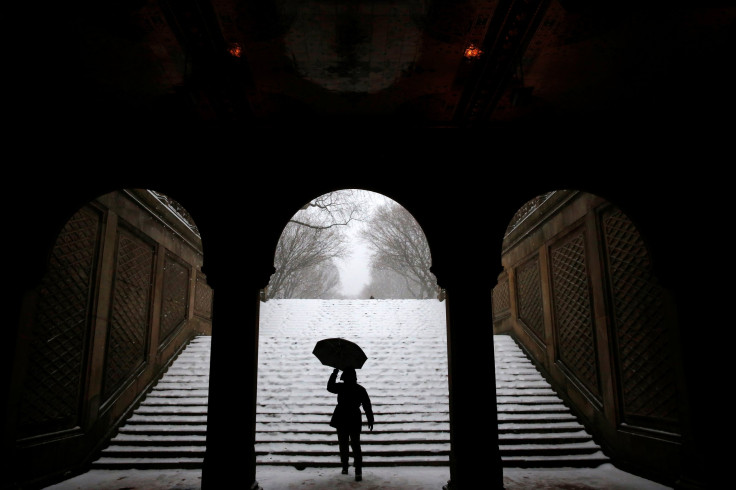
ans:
(240, 221)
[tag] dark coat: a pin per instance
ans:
(350, 397)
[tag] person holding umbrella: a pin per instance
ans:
(347, 356)
(347, 418)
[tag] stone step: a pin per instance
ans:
(312, 449)
(157, 451)
(554, 448)
(374, 437)
(179, 392)
(164, 429)
(192, 440)
(171, 409)
(295, 399)
(522, 399)
(148, 463)
(167, 419)
(522, 417)
(394, 437)
(521, 385)
(378, 409)
(128, 439)
(298, 461)
(322, 425)
(311, 460)
(154, 399)
(168, 430)
(591, 460)
(531, 409)
(534, 427)
(384, 418)
(543, 438)
(369, 450)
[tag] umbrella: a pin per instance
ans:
(339, 353)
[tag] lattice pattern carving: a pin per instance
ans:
(203, 297)
(175, 300)
(573, 312)
(500, 297)
(129, 320)
(53, 384)
(648, 385)
(529, 296)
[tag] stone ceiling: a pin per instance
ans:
(276, 62)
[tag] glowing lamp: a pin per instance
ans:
(472, 52)
(235, 50)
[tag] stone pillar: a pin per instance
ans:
(476, 458)
(237, 274)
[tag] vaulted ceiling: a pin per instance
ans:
(275, 63)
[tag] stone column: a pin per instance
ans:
(475, 458)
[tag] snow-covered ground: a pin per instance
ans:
(384, 365)
(605, 477)
(405, 376)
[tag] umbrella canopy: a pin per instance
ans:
(339, 353)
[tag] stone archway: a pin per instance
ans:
(580, 294)
(121, 295)
(393, 330)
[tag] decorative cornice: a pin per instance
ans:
(166, 215)
(546, 206)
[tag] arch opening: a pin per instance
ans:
(122, 297)
(402, 330)
(579, 296)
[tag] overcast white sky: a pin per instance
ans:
(354, 273)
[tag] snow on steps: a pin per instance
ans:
(535, 428)
(405, 375)
(168, 429)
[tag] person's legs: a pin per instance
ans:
(343, 438)
(357, 454)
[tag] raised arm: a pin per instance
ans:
(331, 383)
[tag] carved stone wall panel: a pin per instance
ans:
(131, 303)
(574, 329)
(529, 297)
(51, 399)
(202, 297)
(175, 297)
(647, 384)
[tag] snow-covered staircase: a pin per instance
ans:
(535, 428)
(405, 376)
(168, 428)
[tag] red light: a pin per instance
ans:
(235, 50)
(473, 52)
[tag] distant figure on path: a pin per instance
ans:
(347, 418)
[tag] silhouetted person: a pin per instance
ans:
(347, 418)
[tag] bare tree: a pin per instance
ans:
(386, 284)
(332, 210)
(401, 258)
(319, 282)
(311, 240)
